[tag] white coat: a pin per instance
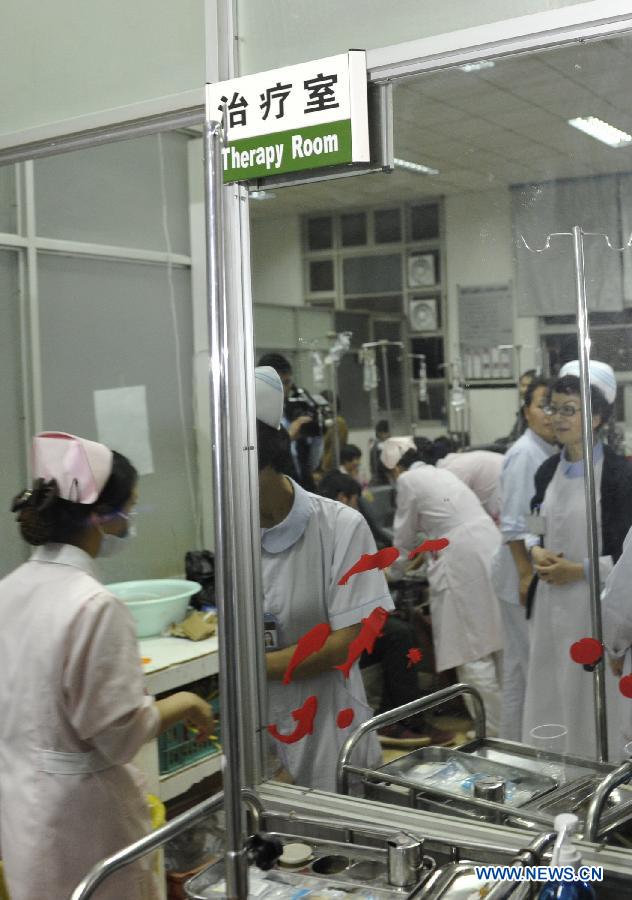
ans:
(302, 560)
(559, 691)
(480, 470)
(465, 616)
(73, 712)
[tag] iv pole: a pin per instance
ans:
(336, 350)
(387, 388)
(422, 388)
(583, 340)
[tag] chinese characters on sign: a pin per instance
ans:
(320, 95)
(301, 117)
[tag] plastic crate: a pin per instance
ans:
(178, 746)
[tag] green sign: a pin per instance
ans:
(288, 151)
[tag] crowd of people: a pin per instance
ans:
(509, 595)
(508, 591)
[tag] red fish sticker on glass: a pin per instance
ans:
(429, 547)
(310, 642)
(345, 717)
(371, 630)
(304, 717)
(625, 686)
(369, 561)
(413, 656)
(586, 652)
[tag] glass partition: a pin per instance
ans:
(477, 310)
(287, 33)
(106, 327)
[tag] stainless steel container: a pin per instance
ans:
(405, 854)
(490, 787)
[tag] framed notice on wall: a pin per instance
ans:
(486, 331)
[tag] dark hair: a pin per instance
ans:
(441, 446)
(382, 425)
(350, 452)
(570, 384)
(530, 373)
(44, 517)
(538, 382)
(334, 483)
(273, 449)
(411, 456)
(279, 363)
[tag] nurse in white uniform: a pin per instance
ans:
(558, 690)
(480, 470)
(511, 568)
(307, 544)
(73, 710)
(466, 625)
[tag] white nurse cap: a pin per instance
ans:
(268, 396)
(394, 448)
(600, 374)
(81, 468)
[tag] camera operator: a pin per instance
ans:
(303, 418)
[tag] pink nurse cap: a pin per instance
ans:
(81, 468)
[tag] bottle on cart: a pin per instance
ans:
(566, 857)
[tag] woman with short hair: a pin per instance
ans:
(558, 690)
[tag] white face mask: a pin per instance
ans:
(113, 544)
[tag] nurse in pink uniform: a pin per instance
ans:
(73, 710)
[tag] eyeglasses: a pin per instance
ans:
(567, 411)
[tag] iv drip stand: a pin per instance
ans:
(314, 344)
(334, 409)
(583, 340)
(387, 388)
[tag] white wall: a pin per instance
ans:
(71, 58)
(479, 251)
(478, 246)
(277, 266)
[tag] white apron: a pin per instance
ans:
(466, 621)
(559, 691)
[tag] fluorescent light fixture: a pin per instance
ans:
(477, 66)
(414, 167)
(602, 131)
(262, 195)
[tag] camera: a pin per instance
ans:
(301, 403)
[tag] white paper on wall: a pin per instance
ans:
(123, 424)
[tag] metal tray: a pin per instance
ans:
(524, 757)
(529, 784)
(332, 867)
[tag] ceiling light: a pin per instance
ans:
(602, 131)
(262, 195)
(414, 167)
(477, 66)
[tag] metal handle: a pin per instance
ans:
(145, 845)
(603, 791)
(160, 836)
(531, 855)
(403, 712)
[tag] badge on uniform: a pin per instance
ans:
(270, 632)
(536, 524)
